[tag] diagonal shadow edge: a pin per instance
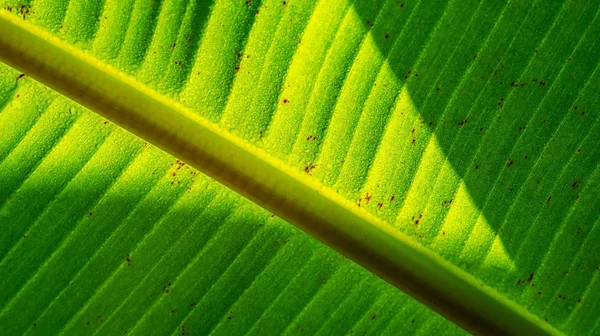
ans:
(265, 181)
(449, 130)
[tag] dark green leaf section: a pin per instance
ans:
(105, 234)
(470, 125)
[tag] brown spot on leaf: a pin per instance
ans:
(309, 168)
(417, 219)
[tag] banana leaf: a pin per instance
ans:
(448, 147)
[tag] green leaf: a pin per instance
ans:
(102, 232)
(468, 126)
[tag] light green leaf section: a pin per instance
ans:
(105, 234)
(470, 126)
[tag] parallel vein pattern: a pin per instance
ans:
(470, 125)
(127, 236)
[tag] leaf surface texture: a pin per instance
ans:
(470, 126)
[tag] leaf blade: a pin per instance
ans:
(362, 236)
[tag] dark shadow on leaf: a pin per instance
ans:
(498, 93)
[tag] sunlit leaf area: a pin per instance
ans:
(469, 126)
